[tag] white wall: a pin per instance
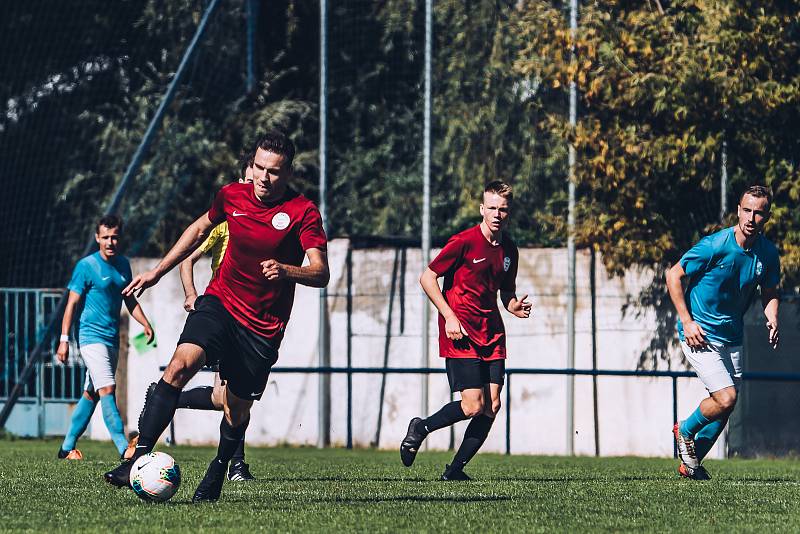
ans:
(635, 414)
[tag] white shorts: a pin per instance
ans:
(101, 365)
(718, 366)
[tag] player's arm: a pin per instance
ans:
(191, 238)
(136, 311)
(518, 307)
(692, 332)
(66, 323)
(315, 274)
(771, 300)
(187, 278)
(429, 281)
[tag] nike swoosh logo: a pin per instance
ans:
(478, 261)
(238, 213)
(256, 394)
(140, 467)
(106, 278)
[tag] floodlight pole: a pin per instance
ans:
(571, 290)
(324, 408)
(426, 199)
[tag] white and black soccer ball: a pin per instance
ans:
(155, 477)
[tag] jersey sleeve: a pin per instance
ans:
(81, 280)
(217, 210)
(699, 257)
(449, 257)
(509, 284)
(212, 238)
(310, 231)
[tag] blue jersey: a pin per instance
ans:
(100, 282)
(722, 280)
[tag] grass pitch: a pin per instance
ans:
(309, 490)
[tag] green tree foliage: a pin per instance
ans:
(661, 87)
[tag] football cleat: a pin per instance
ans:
(411, 443)
(120, 476)
(74, 454)
(210, 487)
(685, 448)
(698, 473)
(240, 472)
(453, 473)
(131, 449)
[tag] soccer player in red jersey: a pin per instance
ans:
(240, 320)
(475, 264)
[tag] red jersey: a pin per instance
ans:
(474, 270)
(282, 231)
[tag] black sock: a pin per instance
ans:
(156, 415)
(229, 440)
(238, 454)
(474, 437)
(449, 414)
(197, 398)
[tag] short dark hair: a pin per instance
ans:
(758, 191)
(501, 188)
(246, 161)
(109, 220)
(278, 143)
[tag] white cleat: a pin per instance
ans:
(685, 449)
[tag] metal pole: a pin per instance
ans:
(324, 409)
(252, 23)
(573, 119)
(426, 198)
(119, 194)
(723, 183)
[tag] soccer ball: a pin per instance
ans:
(155, 477)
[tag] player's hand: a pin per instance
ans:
(273, 270)
(188, 303)
(63, 351)
(772, 328)
(695, 336)
(520, 307)
(453, 328)
(151, 335)
(141, 282)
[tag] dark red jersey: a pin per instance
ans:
(282, 231)
(474, 270)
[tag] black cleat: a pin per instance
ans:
(62, 453)
(240, 472)
(411, 443)
(452, 473)
(210, 487)
(120, 476)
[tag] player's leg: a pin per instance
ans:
(80, 420)
(160, 406)
(245, 368)
(480, 425)
(203, 397)
(716, 369)
(708, 435)
(463, 374)
(104, 382)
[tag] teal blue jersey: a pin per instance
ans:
(722, 280)
(101, 283)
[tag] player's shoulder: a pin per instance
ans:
(298, 203)
(767, 247)
(509, 243)
(719, 239)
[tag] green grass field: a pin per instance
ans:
(308, 490)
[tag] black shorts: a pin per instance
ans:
(474, 373)
(244, 357)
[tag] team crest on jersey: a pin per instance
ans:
(759, 267)
(506, 263)
(280, 221)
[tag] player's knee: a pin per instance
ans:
(727, 401)
(216, 398)
(471, 408)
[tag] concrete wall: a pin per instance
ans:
(635, 414)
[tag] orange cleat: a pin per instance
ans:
(74, 454)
